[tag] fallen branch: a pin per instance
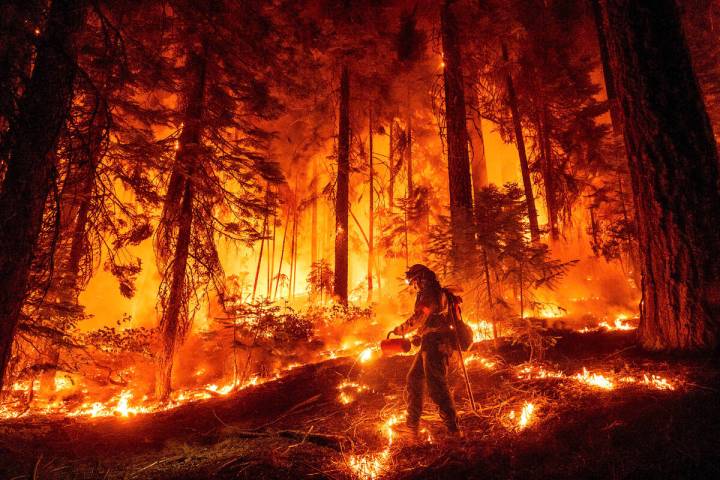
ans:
(336, 442)
(289, 411)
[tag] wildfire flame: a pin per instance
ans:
(521, 420)
(125, 403)
(594, 380)
(620, 324)
(484, 362)
(388, 427)
(370, 466)
(374, 465)
(534, 372)
(482, 330)
(366, 355)
(345, 397)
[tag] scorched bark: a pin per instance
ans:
(522, 153)
(674, 169)
(343, 185)
(43, 111)
(457, 140)
(181, 194)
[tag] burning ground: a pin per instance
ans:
(595, 407)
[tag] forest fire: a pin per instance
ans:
(594, 380)
(524, 417)
(318, 237)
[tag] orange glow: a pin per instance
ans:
(594, 380)
(371, 466)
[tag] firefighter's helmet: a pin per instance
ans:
(418, 272)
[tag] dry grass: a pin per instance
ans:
(533, 421)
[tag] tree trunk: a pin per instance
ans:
(488, 290)
(408, 154)
(392, 172)
(593, 230)
(75, 204)
(674, 170)
(260, 255)
(170, 325)
(343, 186)
(457, 141)
(607, 71)
(371, 220)
(291, 278)
(520, 142)
(478, 163)
(295, 252)
(282, 255)
(42, 114)
(174, 321)
(548, 174)
(271, 255)
(314, 218)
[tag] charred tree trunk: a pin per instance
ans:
(343, 186)
(371, 220)
(593, 231)
(313, 214)
(295, 252)
(260, 254)
(457, 140)
(43, 111)
(522, 153)
(674, 170)
(550, 185)
(548, 173)
(282, 255)
(75, 204)
(16, 62)
(174, 322)
(271, 255)
(408, 155)
(478, 166)
(478, 163)
(607, 71)
(170, 326)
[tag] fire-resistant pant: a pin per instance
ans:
(431, 366)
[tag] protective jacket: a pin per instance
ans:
(430, 366)
(430, 314)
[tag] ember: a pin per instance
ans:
(369, 466)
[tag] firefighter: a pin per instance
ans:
(430, 366)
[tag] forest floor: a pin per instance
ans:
(339, 419)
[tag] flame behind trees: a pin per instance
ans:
(215, 180)
(212, 77)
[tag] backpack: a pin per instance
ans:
(462, 330)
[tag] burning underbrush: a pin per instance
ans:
(256, 344)
(343, 417)
(110, 372)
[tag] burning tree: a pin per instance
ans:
(213, 186)
(275, 332)
(320, 279)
